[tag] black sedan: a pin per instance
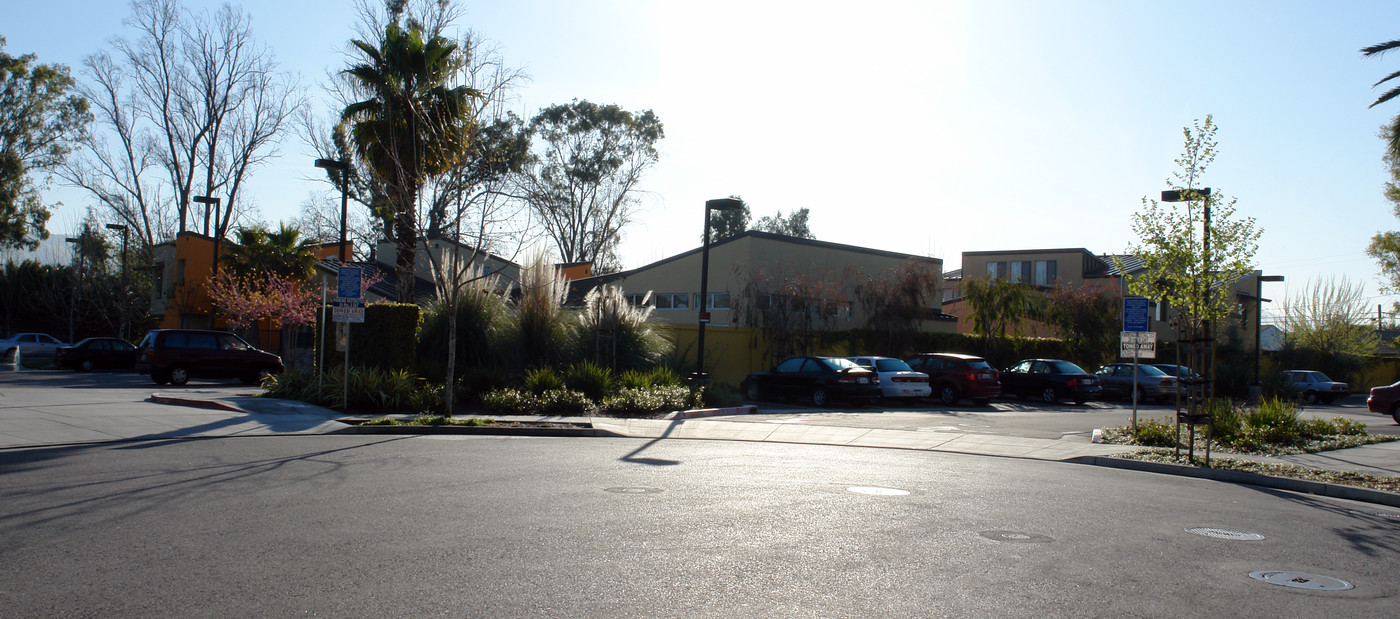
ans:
(820, 379)
(97, 352)
(1051, 380)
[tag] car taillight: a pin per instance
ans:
(1072, 382)
(970, 374)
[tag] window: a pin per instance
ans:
(715, 300)
(1020, 271)
(1046, 272)
(180, 272)
(672, 300)
(791, 365)
(996, 270)
(636, 299)
(158, 287)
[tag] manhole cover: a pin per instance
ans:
(1376, 515)
(1231, 534)
(1017, 536)
(633, 490)
(877, 491)
(1299, 580)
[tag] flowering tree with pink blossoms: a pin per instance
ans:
(244, 300)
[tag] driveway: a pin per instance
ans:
(41, 407)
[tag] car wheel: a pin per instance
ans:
(1395, 413)
(179, 376)
(160, 378)
(752, 392)
(1326, 399)
(1049, 396)
(1309, 397)
(256, 378)
(948, 394)
(84, 366)
(10, 355)
(820, 397)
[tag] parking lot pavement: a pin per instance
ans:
(51, 407)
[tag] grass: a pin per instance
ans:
(430, 420)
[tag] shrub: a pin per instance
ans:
(1154, 433)
(1347, 427)
(633, 379)
(591, 379)
(553, 402)
(1226, 419)
(721, 395)
(1273, 421)
(646, 402)
(618, 333)
(540, 380)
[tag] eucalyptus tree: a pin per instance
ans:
(40, 118)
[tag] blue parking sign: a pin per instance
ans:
(1135, 314)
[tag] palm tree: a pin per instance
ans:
(1377, 50)
(411, 126)
(265, 252)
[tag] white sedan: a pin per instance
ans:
(897, 379)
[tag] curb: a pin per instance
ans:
(476, 430)
(1337, 491)
(195, 403)
(712, 412)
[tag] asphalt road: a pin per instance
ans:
(515, 527)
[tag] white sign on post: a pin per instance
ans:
(1139, 344)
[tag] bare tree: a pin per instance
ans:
(193, 96)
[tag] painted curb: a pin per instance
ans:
(195, 403)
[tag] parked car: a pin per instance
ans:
(1152, 382)
(954, 376)
(897, 380)
(97, 352)
(1312, 386)
(1179, 371)
(820, 379)
(1051, 380)
(1385, 400)
(36, 344)
(176, 355)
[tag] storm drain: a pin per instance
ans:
(1299, 580)
(633, 490)
(1018, 537)
(877, 491)
(1230, 534)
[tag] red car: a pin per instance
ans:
(1385, 400)
(955, 376)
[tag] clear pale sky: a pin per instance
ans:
(925, 127)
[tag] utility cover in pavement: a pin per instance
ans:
(1299, 580)
(877, 491)
(1017, 536)
(1218, 533)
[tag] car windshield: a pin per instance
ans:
(1151, 370)
(1318, 377)
(892, 365)
(978, 364)
(1065, 367)
(838, 364)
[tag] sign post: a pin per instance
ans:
(1136, 323)
(349, 308)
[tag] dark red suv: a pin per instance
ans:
(956, 376)
(176, 355)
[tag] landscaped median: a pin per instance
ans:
(1244, 439)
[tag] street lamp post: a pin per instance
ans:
(720, 204)
(212, 202)
(1259, 323)
(344, 168)
(123, 230)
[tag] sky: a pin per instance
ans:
(926, 127)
